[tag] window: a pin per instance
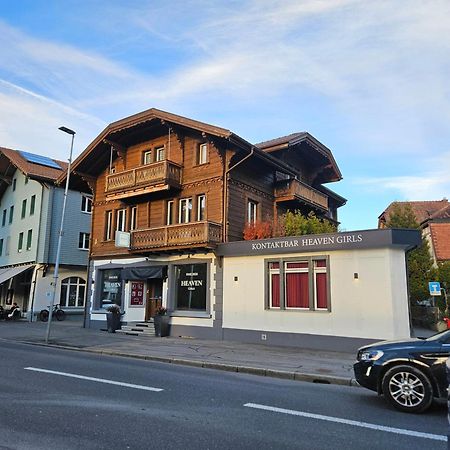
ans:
(185, 210)
(147, 157)
(133, 220)
(190, 287)
(112, 169)
(305, 284)
(20, 242)
(72, 292)
(252, 208)
(108, 227)
(8, 244)
(202, 154)
(14, 184)
(1, 247)
(170, 209)
(86, 204)
(32, 205)
(29, 239)
(83, 241)
(24, 208)
(5, 212)
(11, 214)
(201, 207)
(121, 219)
(26, 180)
(110, 288)
(159, 153)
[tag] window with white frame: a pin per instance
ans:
(73, 291)
(83, 241)
(108, 225)
(133, 218)
(202, 153)
(121, 219)
(86, 204)
(159, 153)
(201, 207)
(298, 284)
(147, 157)
(20, 242)
(185, 210)
(252, 211)
(170, 213)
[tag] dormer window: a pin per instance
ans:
(159, 153)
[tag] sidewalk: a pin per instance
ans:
(258, 359)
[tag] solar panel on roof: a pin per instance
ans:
(41, 160)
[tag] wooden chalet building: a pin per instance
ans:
(167, 190)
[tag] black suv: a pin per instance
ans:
(408, 373)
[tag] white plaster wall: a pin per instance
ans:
(44, 289)
(373, 306)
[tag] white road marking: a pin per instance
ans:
(355, 423)
(98, 380)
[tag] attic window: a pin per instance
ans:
(14, 184)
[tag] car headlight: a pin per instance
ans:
(370, 355)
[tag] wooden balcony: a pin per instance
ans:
(197, 234)
(158, 176)
(295, 190)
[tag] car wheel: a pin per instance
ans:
(408, 389)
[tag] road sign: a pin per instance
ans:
(434, 287)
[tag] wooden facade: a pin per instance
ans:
(178, 185)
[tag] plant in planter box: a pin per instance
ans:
(161, 321)
(113, 318)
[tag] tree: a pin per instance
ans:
(296, 224)
(420, 264)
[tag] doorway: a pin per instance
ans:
(154, 297)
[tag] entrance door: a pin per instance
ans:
(154, 297)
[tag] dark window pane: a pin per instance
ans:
(190, 286)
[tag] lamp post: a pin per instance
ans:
(60, 235)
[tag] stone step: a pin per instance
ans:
(136, 332)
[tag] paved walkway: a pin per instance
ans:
(282, 362)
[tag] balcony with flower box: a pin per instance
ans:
(155, 177)
(171, 237)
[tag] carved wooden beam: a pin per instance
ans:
(88, 179)
(7, 180)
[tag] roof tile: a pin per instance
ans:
(440, 235)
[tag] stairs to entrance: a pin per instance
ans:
(139, 329)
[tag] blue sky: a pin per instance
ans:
(368, 79)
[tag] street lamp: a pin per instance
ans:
(61, 228)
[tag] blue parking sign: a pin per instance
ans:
(434, 287)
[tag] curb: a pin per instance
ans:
(286, 375)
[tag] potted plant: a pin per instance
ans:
(161, 321)
(113, 318)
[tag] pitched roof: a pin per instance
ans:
(30, 169)
(281, 140)
(440, 235)
(423, 210)
(442, 214)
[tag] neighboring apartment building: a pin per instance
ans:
(30, 218)
(434, 220)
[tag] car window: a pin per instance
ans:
(443, 336)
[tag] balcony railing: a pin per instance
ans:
(177, 235)
(296, 190)
(158, 173)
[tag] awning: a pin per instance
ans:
(143, 273)
(10, 272)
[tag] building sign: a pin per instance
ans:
(137, 293)
(323, 242)
(190, 286)
(122, 239)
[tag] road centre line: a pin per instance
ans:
(98, 380)
(355, 423)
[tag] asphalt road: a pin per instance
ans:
(58, 399)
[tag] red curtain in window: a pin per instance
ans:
(297, 291)
(275, 298)
(321, 290)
